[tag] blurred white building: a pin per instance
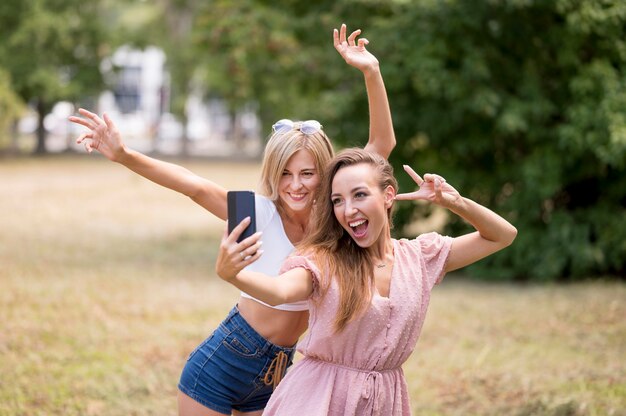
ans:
(138, 102)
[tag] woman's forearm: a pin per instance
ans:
(490, 225)
(260, 286)
(177, 178)
(382, 138)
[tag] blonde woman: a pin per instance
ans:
(236, 368)
(368, 293)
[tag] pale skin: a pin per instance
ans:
(357, 197)
(279, 327)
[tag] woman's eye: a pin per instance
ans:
(307, 174)
(336, 201)
(360, 195)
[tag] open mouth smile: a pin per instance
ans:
(359, 227)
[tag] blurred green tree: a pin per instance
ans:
(11, 106)
(52, 50)
(519, 104)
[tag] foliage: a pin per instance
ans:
(10, 104)
(519, 104)
(52, 50)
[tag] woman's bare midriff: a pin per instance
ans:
(279, 327)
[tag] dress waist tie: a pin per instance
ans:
(372, 384)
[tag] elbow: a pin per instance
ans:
(391, 145)
(509, 236)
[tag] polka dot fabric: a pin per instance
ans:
(358, 371)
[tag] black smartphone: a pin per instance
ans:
(240, 206)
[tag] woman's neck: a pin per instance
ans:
(295, 223)
(382, 250)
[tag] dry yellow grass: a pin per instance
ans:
(107, 284)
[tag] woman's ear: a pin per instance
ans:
(390, 196)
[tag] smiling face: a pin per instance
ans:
(298, 182)
(359, 203)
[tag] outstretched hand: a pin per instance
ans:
(432, 188)
(352, 50)
(102, 136)
(234, 256)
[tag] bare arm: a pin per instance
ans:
(493, 233)
(292, 286)
(104, 137)
(382, 139)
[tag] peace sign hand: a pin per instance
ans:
(433, 188)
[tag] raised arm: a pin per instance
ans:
(382, 139)
(104, 137)
(292, 286)
(492, 233)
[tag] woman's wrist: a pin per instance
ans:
(123, 155)
(372, 70)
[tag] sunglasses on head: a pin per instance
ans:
(306, 127)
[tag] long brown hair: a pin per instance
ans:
(333, 249)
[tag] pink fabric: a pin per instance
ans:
(358, 371)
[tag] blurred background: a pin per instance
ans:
(520, 104)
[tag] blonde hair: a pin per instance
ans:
(332, 247)
(279, 149)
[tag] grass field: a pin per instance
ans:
(107, 284)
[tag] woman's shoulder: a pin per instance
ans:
(425, 243)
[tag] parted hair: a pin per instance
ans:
(334, 251)
(279, 149)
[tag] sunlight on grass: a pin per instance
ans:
(108, 284)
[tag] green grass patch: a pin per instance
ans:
(108, 284)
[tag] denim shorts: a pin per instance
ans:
(227, 369)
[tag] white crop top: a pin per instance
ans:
(276, 248)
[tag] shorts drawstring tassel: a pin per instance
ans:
(277, 369)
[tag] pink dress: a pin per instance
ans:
(358, 371)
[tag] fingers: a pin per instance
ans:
(110, 125)
(342, 33)
(430, 177)
(252, 249)
(363, 42)
(336, 38)
(238, 230)
(88, 135)
(418, 180)
(91, 116)
(407, 196)
(352, 37)
(82, 122)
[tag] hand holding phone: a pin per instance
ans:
(240, 206)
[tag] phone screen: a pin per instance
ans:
(240, 206)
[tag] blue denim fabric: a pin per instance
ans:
(226, 370)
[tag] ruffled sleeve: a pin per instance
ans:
(435, 249)
(307, 263)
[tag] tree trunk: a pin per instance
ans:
(14, 147)
(41, 131)
(184, 140)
